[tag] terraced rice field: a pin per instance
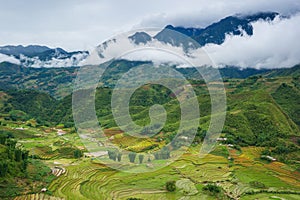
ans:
(40, 196)
(57, 171)
(85, 179)
(88, 180)
(273, 174)
(265, 196)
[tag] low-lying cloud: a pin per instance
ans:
(10, 59)
(273, 45)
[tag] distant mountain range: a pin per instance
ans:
(212, 34)
(42, 56)
(216, 32)
(188, 39)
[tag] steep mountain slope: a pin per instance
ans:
(56, 81)
(31, 103)
(294, 71)
(254, 111)
(216, 32)
(288, 97)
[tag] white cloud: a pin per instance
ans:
(273, 45)
(74, 60)
(201, 13)
(11, 59)
(155, 51)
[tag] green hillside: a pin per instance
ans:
(262, 120)
(58, 81)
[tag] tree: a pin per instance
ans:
(2, 139)
(25, 155)
(165, 153)
(112, 155)
(119, 157)
(156, 156)
(132, 156)
(3, 168)
(141, 158)
(78, 153)
(18, 155)
(266, 152)
(11, 144)
(24, 166)
(171, 186)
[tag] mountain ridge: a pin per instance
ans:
(217, 31)
(43, 56)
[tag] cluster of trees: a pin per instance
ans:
(117, 156)
(13, 159)
(24, 105)
(212, 188)
(132, 156)
(163, 154)
(281, 148)
(200, 135)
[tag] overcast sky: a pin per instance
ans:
(83, 24)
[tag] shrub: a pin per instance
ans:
(78, 153)
(266, 152)
(257, 184)
(171, 186)
(212, 188)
